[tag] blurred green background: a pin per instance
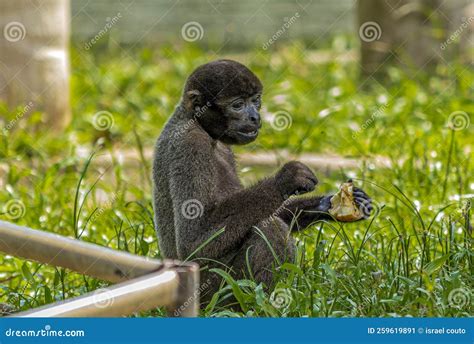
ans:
(409, 132)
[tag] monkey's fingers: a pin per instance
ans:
(313, 178)
(359, 193)
(307, 185)
(365, 205)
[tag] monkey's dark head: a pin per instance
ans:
(224, 96)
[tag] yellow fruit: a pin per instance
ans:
(343, 206)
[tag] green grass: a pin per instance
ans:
(405, 261)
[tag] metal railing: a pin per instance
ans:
(143, 283)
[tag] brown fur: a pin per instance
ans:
(193, 161)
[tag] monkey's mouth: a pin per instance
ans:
(248, 134)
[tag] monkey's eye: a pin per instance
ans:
(238, 105)
(257, 99)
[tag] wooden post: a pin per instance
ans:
(405, 32)
(34, 57)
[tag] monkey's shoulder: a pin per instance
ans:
(189, 154)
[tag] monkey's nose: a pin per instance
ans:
(254, 118)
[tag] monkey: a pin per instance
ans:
(202, 212)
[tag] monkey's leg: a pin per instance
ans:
(258, 257)
(254, 260)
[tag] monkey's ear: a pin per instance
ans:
(194, 98)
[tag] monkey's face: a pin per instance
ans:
(242, 119)
(234, 121)
(226, 94)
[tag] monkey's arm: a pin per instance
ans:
(302, 212)
(194, 181)
(235, 214)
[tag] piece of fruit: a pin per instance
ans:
(343, 206)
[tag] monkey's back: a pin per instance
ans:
(162, 200)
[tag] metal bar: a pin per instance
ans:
(187, 301)
(85, 258)
(140, 294)
(103, 263)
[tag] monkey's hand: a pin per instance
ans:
(324, 204)
(295, 178)
(363, 201)
(306, 211)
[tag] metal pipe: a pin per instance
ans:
(103, 263)
(85, 258)
(187, 301)
(140, 294)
